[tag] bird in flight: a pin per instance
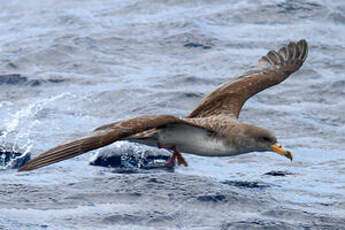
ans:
(211, 129)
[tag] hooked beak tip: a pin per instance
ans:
(278, 149)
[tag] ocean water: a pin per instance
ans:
(87, 63)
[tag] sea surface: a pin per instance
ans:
(81, 64)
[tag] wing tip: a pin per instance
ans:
(293, 53)
(25, 167)
(33, 164)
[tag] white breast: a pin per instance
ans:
(194, 140)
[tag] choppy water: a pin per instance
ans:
(88, 63)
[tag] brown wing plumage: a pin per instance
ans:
(275, 67)
(104, 135)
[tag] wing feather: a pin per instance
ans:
(104, 135)
(275, 67)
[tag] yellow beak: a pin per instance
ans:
(278, 149)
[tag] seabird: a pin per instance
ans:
(211, 129)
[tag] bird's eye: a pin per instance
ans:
(266, 139)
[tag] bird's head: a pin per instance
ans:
(253, 138)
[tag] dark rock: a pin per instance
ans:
(197, 45)
(12, 159)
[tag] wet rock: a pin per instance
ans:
(10, 158)
(247, 184)
(278, 173)
(197, 45)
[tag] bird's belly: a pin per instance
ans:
(194, 140)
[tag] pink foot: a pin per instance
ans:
(176, 154)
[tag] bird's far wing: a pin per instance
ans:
(104, 135)
(273, 68)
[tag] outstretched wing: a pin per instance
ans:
(103, 135)
(275, 67)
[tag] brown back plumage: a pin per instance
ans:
(275, 67)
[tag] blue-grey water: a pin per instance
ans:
(88, 63)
